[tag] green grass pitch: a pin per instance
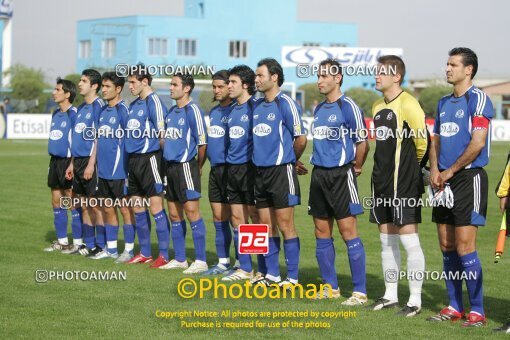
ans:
(127, 309)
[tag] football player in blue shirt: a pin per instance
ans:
(144, 127)
(459, 151)
(184, 153)
(83, 150)
(278, 142)
(241, 171)
(217, 154)
(112, 169)
(59, 148)
(339, 151)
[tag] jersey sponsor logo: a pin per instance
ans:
(236, 132)
(80, 127)
(244, 118)
(332, 118)
(320, 132)
(56, 134)
(181, 121)
(216, 131)
(383, 133)
(449, 129)
(133, 124)
(173, 133)
(262, 130)
(140, 113)
(459, 113)
(271, 116)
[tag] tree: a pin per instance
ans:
(28, 87)
(312, 95)
(364, 98)
(429, 97)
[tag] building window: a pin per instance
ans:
(337, 45)
(186, 47)
(108, 48)
(238, 49)
(311, 43)
(157, 47)
(84, 49)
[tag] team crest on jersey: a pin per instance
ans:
(459, 113)
(64, 124)
(390, 116)
(332, 118)
(140, 113)
(244, 118)
(181, 121)
(442, 114)
(112, 120)
(88, 115)
(224, 119)
(271, 116)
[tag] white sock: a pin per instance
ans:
(111, 244)
(415, 264)
(63, 241)
(224, 260)
(129, 246)
(77, 241)
(390, 255)
(273, 278)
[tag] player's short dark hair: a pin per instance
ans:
(68, 87)
(187, 80)
(273, 67)
(247, 76)
(115, 79)
(396, 62)
(469, 58)
(336, 65)
(221, 75)
(94, 77)
(140, 72)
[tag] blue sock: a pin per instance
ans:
(144, 234)
(179, 240)
(100, 236)
(223, 239)
(89, 236)
(244, 259)
(356, 253)
(273, 257)
(474, 281)
(60, 222)
(129, 234)
(163, 232)
(452, 266)
(325, 253)
(261, 264)
(236, 249)
(148, 216)
(112, 233)
(198, 232)
(291, 247)
(76, 224)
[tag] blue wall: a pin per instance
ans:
(266, 25)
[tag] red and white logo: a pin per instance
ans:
(253, 239)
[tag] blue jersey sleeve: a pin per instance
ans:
(97, 107)
(354, 119)
(197, 124)
(156, 112)
(480, 105)
(123, 112)
(291, 116)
